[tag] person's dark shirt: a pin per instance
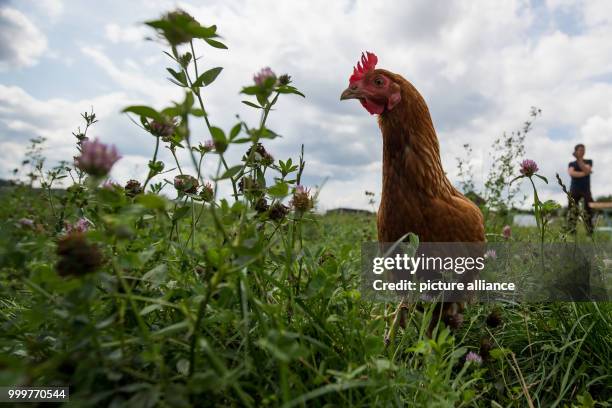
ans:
(581, 184)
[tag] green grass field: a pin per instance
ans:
(167, 322)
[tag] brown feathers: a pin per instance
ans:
(417, 196)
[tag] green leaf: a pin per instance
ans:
(203, 32)
(157, 275)
(287, 89)
(151, 201)
(150, 308)
(178, 76)
(144, 399)
(266, 133)
(169, 55)
(214, 43)
(176, 83)
(185, 59)
(159, 24)
(106, 322)
(251, 90)
(262, 99)
(231, 172)
(217, 133)
(219, 138)
(207, 77)
(143, 111)
(235, 131)
(542, 177)
(280, 189)
(274, 350)
(550, 206)
(252, 105)
(188, 102)
(498, 353)
(516, 178)
(180, 212)
(173, 328)
(171, 111)
(197, 112)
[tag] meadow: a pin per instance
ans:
(160, 292)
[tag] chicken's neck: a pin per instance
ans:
(412, 167)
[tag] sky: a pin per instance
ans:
(480, 65)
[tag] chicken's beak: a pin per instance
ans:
(351, 93)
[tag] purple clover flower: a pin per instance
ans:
(473, 357)
(97, 158)
(26, 222)
(82, 225)
(507, 232)
(110, 185)
(490, 254)
(529, 167)
(185, 183)
(302, 200)
(209, 146)
(261, 77)
(207, 192)
(164, 129)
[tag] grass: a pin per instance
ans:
(152, 328)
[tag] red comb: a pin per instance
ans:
(368, 63)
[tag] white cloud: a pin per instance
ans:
(560, 4)
(597, 13)
(23, 117)
(51, 8)
(130, 76)
(132, 34)
(21, 42)
(480, 65)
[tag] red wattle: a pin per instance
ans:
(373, 108)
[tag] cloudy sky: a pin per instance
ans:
(480, 65)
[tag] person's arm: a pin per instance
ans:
(576, 173)
(584, 167)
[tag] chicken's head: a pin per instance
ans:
(374, 88)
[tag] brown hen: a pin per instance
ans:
(417, 196)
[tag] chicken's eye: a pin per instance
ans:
(378, 81)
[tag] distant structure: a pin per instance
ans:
(349, 211)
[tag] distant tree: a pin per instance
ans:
(604, 198)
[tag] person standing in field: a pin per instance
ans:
(580, 171)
